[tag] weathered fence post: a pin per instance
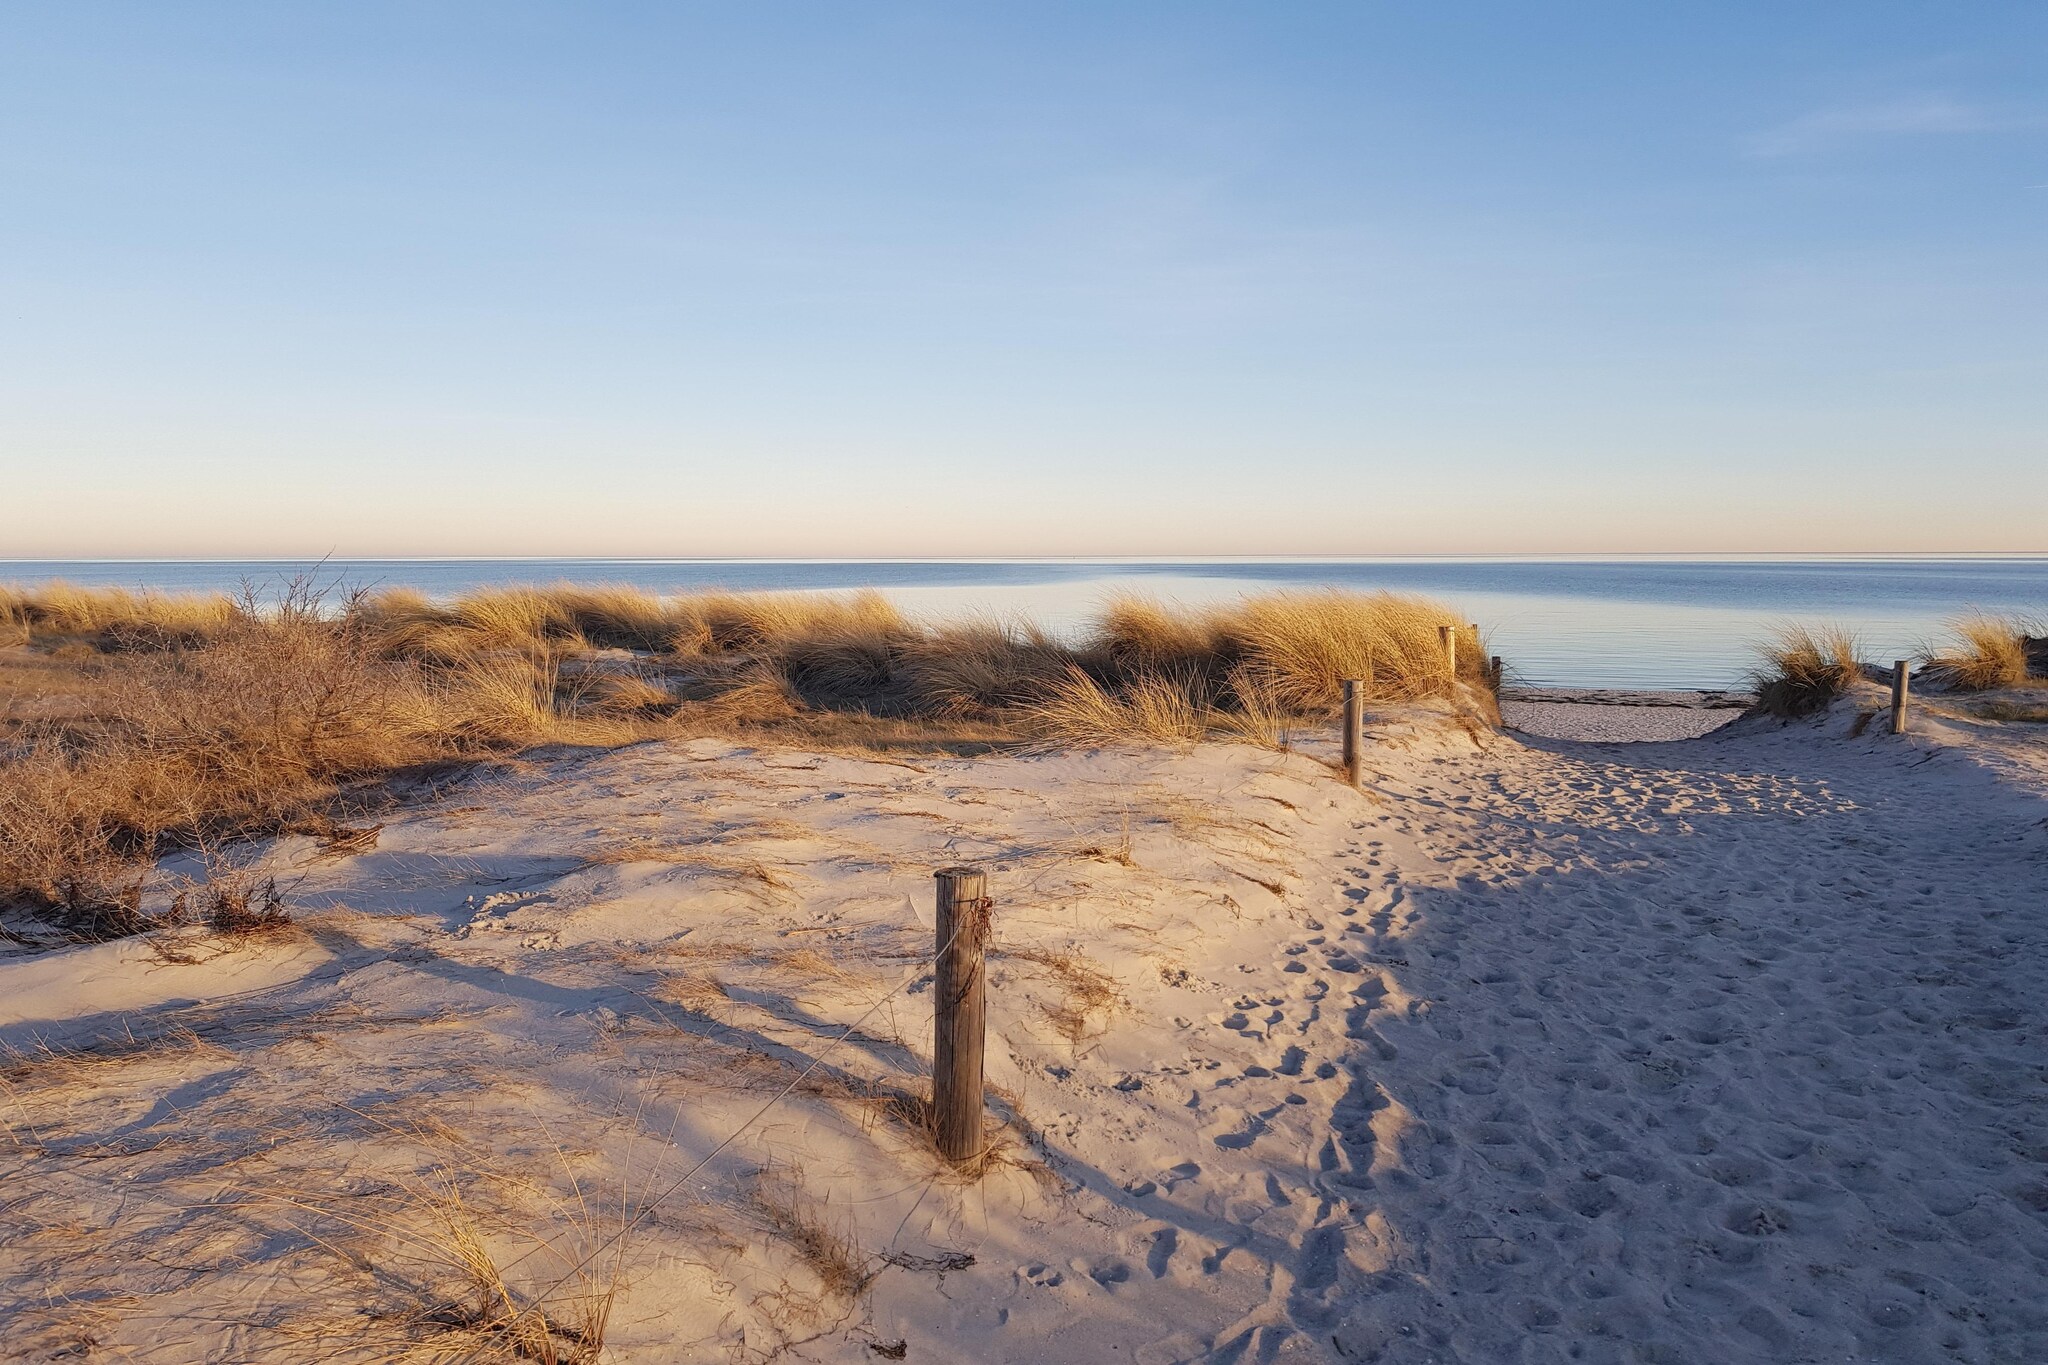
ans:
(1495, 671)
(1899, 697)
(1354, 728)
(959, 1011)
(1448, 636)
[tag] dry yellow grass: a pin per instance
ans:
(485, 1314)
(617, 617)
(1300, 646)
(254, 729)
(1991, 653)
(1143, 635)
(1308, 643)
(1154, 707)
(843, 1269)
(57, 610)
(1804, 668)
(1260, 716)
(744, 621)
(407, 624)
(625, 694)
(207, 718)
(2013, 710)
(1088, 995)
(982, 666)
(1158, 673)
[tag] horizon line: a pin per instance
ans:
(1566, 556)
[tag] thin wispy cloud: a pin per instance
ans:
(1923, 116)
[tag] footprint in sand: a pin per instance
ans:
(1107, 1271)
(1159, 1256)
(1246, 1128)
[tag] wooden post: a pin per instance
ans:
(1354, 728)
(959, 1011)
(1495, 671)
(1449, 637)
(1899, 697)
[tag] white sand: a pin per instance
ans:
(1595, 723)
(1725, 1050)
(1607, 716)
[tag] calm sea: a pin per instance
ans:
(1611, 622)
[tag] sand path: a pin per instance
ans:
(1736, 1041)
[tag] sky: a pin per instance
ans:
(907, 280)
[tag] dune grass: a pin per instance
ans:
(206, 718)
(1802, 669)
(256, 727)
(1303, 643)
(110, 617)
(1147, 706)
(1158, 673)
(617, 617)
(983, 666)
(858, 645)
(1989, 653)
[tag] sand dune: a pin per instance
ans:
(1727, 1049)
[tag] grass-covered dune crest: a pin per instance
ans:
(156, 721)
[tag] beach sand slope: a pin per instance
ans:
(1535, 1050)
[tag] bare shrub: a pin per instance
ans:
(249, 731)
(243, 906)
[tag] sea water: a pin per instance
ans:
(1642, 622)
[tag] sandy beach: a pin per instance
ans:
(1023, 685)
(1608, 716)
(1534, 1050)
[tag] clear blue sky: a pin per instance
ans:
(883, 279)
